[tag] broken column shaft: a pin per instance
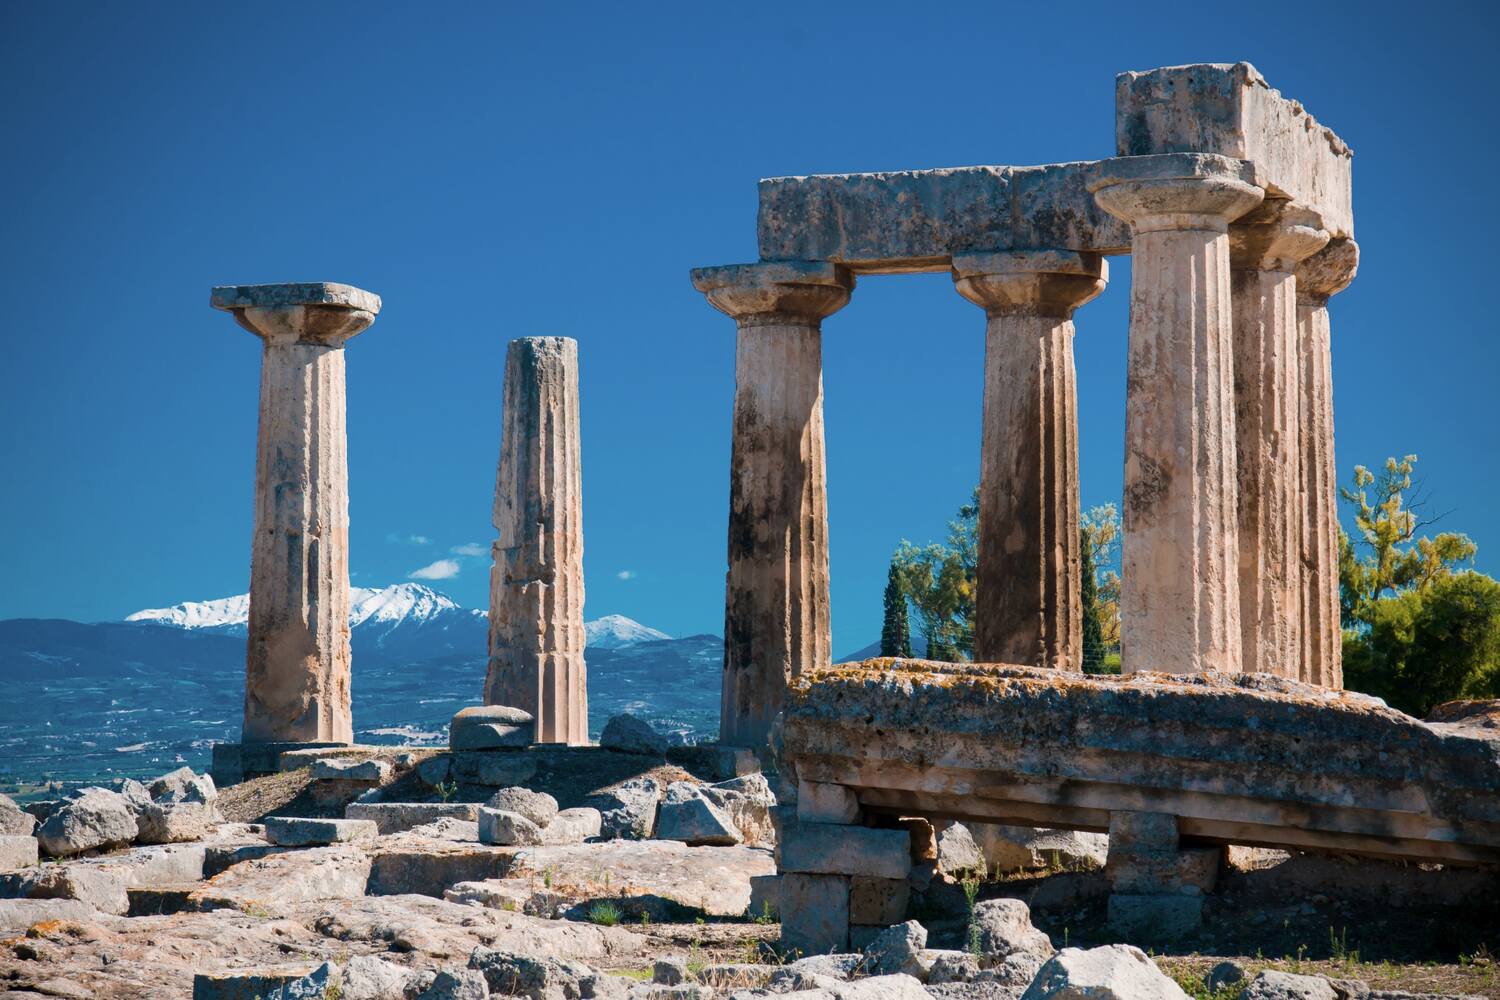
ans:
(297, 652)
(536, 584)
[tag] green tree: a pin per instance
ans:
(895, 631)
(938, 580)
(1387, 523)
(1101, 534)
(1424, 646)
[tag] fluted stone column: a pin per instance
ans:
(776, 601)
(1265, 247)
(297, 652)
(536, 583)
(1026, 601)
(1320, 277)
(1180, 582)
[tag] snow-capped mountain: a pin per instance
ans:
(403, 611)
(617, 631)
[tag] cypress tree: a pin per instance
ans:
(895, 630)
(1088, 600)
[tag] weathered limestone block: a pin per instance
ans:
(1320, 277)
(507, 829)
(628, 810)
(832, 849)
(572, 826)
(365, 772)
(629, 734)
(17, 851)
(16, 915)
(496, 770)
(688, 815)
(101, 890)
(878, 901)
(394, 817)
(297, 652)
(814, 913)
(749, 803)
(1112, 972)
(1229, 109)
(278, 880)
(539, 807)
(1026, 601)
(536, 584)
(1005, 929)
(1007, 848)
(917, 220)
(287, 982)
(1145, 857)
(14, 821)
(822, 803)
(302, 831)
(715, 880)
(1238, 758)
(91, 818)
(1179, 606)
(1265, 247)
(776, 605)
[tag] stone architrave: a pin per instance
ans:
(1026, 604)
(776, 603)
(1265, 247)
(536, 583)
(297, 653)
(1180, 553)
(1320, 277)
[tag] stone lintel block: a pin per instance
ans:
(878, 901)
(394, 817)
(917, 220)
(1229, 109)
(18, 852)
(814, 913)
(819, 802)
(301, 831)
(291, 294)
(364, 772)
(836, 849)
(1149, 918)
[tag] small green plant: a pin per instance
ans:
(509, 905)
(645, 918)
(334, 990)
(695, 961)
(765, 916)
(547, 877)
(603, 913)
(445, 790)
(970, 884)
(1338, 947)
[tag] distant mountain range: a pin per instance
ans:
(89, 701)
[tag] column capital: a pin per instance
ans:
(316, 312)
(1175, 191)
(1049, 283)
(775, 291)
(1276, 235)
(1327, 272)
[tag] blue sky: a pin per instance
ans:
(505, 170)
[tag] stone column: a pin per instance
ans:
(1180, 553)
(776, 601)
(1320, 277)
(1026, 600)
(536, 583)
(297, 652)
(1265, 247)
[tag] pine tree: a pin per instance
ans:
(895, 632)
(1088, 599)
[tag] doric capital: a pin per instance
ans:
(1327, 272)
(1275, 236)
(776, 291)
(1175, 191)
(317, 312)
(1030, 282)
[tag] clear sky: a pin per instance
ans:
(504, 170)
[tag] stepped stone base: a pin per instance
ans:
(237, 762)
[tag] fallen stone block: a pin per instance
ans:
(366, 977)
(539, 978)
(688, 815)
(100, 890)
(183, 785)
(748, 802)
(289, 982)
(628, 734)
(94, 818)
(1005, 929)
(834, 849)
(15, 821)
(18, 851)
(302, 831)
(1113, 972)
(573, 826)
(273, 882)
(368, 772)
(822, 803)
(628, 810)
(956, 851)
(159, 864)
(898, 986)
(1271, 984)
(896, 949)
(507, 829)
(539, 807)
(493, 768)
(429, 868)
(949, 967)
(715, 880)
(490, 727)
(1007, 848)
(175, 822)
(395, 817)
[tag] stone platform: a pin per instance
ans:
(1237, 759)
